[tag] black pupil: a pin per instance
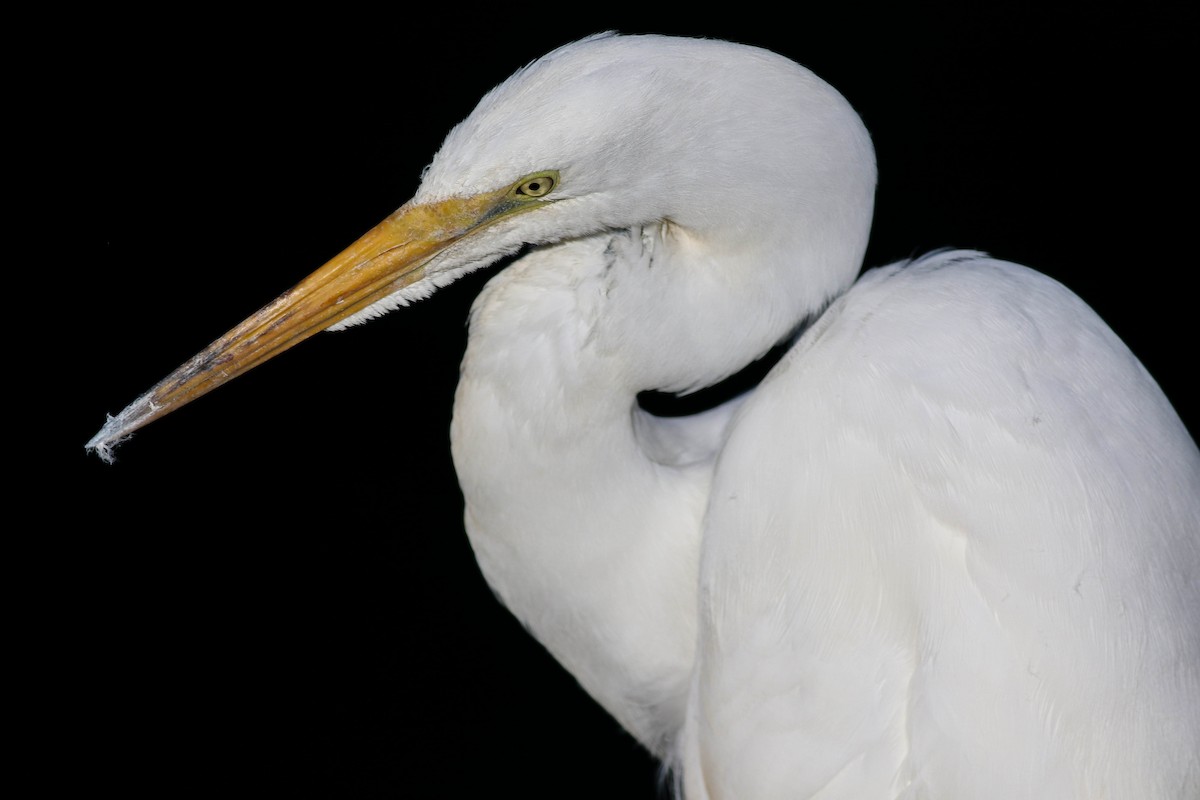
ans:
(534, 186)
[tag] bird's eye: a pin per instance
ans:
(535, 186)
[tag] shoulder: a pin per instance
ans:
(954, 299)
(963, 329)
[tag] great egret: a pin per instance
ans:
(950, 547)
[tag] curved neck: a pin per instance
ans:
(589, 540)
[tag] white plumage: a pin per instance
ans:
(950, 546)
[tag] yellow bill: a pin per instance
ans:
(386, 259)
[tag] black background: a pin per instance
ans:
(271, 591)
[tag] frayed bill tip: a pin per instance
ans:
(106, 441)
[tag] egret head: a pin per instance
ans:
(765, 167)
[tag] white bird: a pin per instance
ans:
(948, 548)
